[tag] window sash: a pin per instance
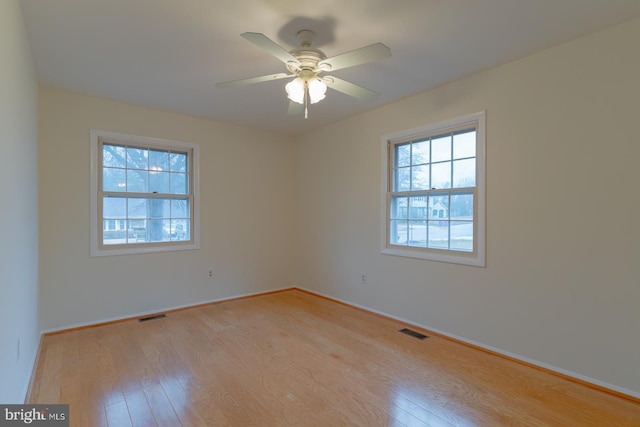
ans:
(130, 231)
(395, 165)
(393, 161)
(148, 195)
(411, 216)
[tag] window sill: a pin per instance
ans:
(453, 258)
(130, 250)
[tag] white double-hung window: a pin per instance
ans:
(433, 191)
(143, 194)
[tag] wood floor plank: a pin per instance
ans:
(139, 409)
(117, 414)
(295, 359)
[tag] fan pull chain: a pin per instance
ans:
(306, 99)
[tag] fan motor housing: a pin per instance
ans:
(308, 57)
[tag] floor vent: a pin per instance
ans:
(413, 333)
(155, 316)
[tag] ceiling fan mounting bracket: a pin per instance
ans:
(305, 37)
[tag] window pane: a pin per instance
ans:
(137, 231)
(439, 206)
(462, 206)
(158, 160)
(438, 234)
(464, 144)
(156, 231)
(114, 207)
(441, 148)
(179, 230)
(114, 179)
(398, 232)
(159, 208)
(138, 208)
(137, 158)
(420, 177)
(417, 234)
(402, 179)
(464, 173)
(180, 209)
(403, 155)
(137, 181)
(111, 234)
(418, 207)
(114, 156)
(179, 184)
(178, 162)
(420, 152)
(441, 175)
(168, 232)
(462, 236)
(187, 227)
(399, 207)
(159, 182)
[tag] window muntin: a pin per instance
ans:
(143, 193)
(434, 192)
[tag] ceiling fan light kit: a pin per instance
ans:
(297, 89)
(306, 90)
(306, 63)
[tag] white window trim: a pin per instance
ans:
(95, 249)
(473, 259)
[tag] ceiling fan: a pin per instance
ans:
(305, 64)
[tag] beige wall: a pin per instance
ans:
(247, 187)
(19, 206)
(561, 286)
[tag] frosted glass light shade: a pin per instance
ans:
(295, 90)
(317, 90)
(298, 88)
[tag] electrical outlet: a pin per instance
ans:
(363, 278)
(210, 273)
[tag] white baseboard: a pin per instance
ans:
(34, 360)
(524, 359)
(155, 311)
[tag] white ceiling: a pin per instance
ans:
(169, 54)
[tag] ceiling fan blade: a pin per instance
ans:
(295, 108)
(350, 89)
(265, 43)
(251, 80)
(359, 56)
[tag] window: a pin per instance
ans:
(434, 191)
(143, 194)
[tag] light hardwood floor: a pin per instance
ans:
(295, 359)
